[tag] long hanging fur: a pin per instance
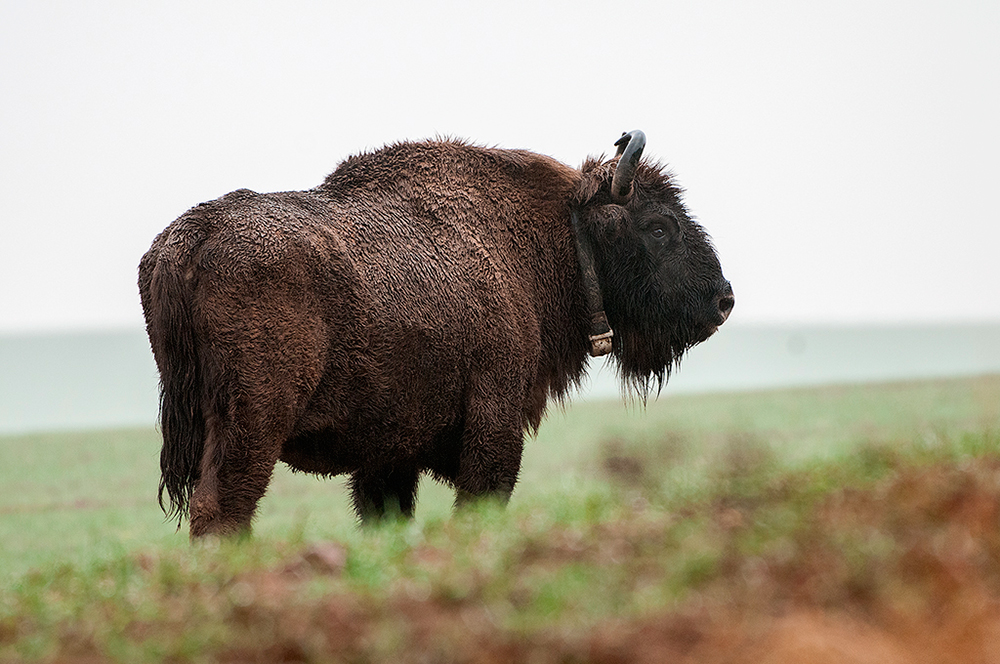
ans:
(167, 299)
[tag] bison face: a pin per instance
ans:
(660, 279)
(686, 276)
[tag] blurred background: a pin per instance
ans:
(840, 154)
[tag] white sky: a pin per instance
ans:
(843, 155)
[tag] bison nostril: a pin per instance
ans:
(726, 304)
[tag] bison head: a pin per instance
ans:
(647, 264)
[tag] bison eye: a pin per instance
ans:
(659, 231)
(662, 229)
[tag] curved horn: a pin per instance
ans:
(630, 147)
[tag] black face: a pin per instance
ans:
(685, 267)
(662, 283)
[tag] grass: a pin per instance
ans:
(623, 516)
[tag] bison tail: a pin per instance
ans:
(182, 416)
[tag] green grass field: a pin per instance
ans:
(625, 518)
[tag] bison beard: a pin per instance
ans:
(413, 314)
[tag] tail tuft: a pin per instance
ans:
(168, 305)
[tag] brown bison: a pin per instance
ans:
(412, 314)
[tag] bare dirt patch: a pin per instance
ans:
(905, 571)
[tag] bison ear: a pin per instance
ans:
(630, 147)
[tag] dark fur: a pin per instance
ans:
(414, 313)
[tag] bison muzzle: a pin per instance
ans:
(412, 314)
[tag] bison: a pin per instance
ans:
(412, 314)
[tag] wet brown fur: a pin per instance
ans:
(414, 313)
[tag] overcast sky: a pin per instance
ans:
(843, 155)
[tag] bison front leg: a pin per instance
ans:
(489, 464)
(384, 493)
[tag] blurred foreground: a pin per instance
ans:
(848, 524)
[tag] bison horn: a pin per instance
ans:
(630, 147)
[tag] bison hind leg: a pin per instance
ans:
(384, 493)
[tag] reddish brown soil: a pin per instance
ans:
(932, 597)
